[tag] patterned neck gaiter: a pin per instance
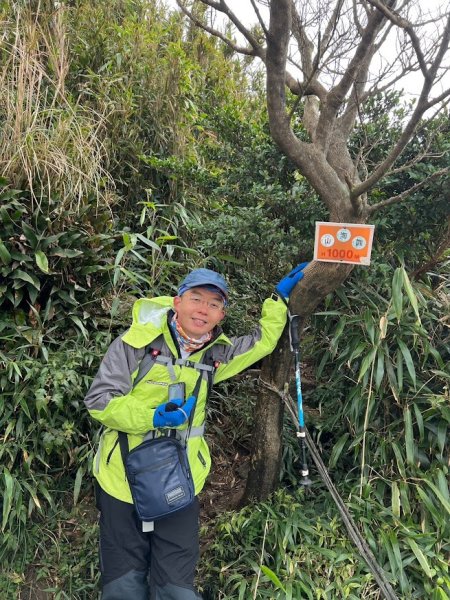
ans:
(186, 343)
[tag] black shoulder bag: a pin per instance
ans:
(158, 470)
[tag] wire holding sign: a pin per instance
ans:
(343, 242)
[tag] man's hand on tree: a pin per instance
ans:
(288, 283)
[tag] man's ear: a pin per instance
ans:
(176, 301)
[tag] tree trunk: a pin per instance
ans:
(266, 448)
(320, 279)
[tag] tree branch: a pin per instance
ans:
(337, 94)
(407, 26)
(400, 197)
(305, 45)
(260, 19)
(253, 50)
(308, 158)
(329, 31)
(422, 106)
(437, 255)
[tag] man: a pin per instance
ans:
(137, 564)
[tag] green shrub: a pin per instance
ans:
(382, 363)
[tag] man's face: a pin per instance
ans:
(198, 311)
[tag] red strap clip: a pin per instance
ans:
(155, 353)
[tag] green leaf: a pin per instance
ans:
(5, 256)
(399, 458)
(404, 498)
(408, 360)
(147, 242)
(340, 293)
(379, 372)
(33, 495)
(395, 499)
(7, 496)
(433, 510)
(77, 486)
(442, 435)
(443, 485)
(419, 420)
(399, 358)
(166, 238)
(139, 256)
(30, 235)
(357, 351)
(80, 325)
(119, 255)
(391, 375)
(273, 578)
(409, 436)
(41, 261)
(337, 334)
(231, 259)
(117, 273)
(66, 297)
(25, 407)
(323, 361)
(369, 324)
(337, 449)
(397, 296)
(411, 295)
(115, 306)
(421, 558)
(445, 503)
(404, 584)
(366, 363)
(22, 275)
(439, 594)
(65, 252)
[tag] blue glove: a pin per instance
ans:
(173, 413)
(288, 283)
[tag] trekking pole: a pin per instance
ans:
(301, 431)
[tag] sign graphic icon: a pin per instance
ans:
(327, 240)
(343, 242)
(343, 235)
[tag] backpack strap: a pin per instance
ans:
(185, 362)
(151, 353)
(208, 365)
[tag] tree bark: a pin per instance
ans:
(266, 448)
(320, 279)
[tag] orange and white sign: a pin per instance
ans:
(343, 242)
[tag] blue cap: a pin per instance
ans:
(204, 278)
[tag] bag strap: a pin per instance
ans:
(151, 353)
(209, 366)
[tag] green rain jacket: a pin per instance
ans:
(119, 406)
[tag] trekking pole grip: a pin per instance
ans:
(293, 331)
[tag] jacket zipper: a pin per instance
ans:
(111, 451)
(98, 455)
(201, 459)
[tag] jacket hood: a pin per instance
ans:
(150, 320)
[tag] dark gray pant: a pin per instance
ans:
(147, 566)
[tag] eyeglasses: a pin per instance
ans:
(214, 305)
